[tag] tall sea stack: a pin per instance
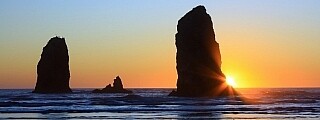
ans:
(198, 57)
(53, 68)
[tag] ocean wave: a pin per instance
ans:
(147, 101)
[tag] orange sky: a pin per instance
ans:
(263, 44)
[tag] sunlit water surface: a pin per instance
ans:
(300, 103)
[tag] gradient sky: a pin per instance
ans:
(264, 43)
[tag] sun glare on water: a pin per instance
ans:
(230, 81)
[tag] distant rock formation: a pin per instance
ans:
(53, 68)
(198, 57)
(116, 88)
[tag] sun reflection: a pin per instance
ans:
(230, 81)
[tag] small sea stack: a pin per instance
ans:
(198, 58)
(116, 88)
(53, 68)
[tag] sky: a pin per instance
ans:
(265, 43)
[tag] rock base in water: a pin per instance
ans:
(116, 88)
(227, 91)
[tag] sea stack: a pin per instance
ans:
(198, 57)
(53, 68)
(116, 88)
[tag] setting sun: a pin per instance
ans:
(230, 81)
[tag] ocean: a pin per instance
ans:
(275, 103)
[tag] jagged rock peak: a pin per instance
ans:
(117, 83)
(116, 88)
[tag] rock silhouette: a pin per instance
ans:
(116, 88)
(198, 57)
(53, 68)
